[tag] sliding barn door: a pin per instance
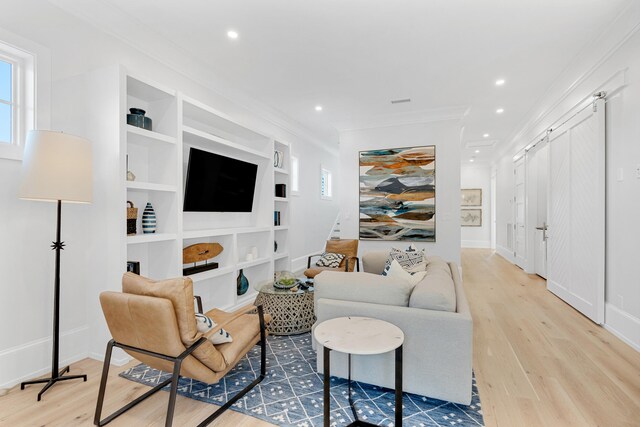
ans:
(576, 231)
(519, 206)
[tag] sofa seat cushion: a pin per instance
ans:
(437, 290)
(362, 287)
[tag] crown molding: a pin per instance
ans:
(596, 53)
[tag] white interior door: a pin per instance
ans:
(576, 212)
(519, 205)
(539, 157)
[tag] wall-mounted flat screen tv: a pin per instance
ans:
(217, 183)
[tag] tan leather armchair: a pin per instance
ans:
(348, 248)
(154, 322)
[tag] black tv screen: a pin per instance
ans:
(217, 183)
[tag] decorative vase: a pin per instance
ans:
(242, 283)
(137, 118)
(148, 219)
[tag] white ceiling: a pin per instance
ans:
(354, 56)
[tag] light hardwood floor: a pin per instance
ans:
(538, 362)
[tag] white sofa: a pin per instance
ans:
(434, 316)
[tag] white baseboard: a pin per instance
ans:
(118, 357)
(623, 325)
(476, 244)
(505, 253)
(33, 359)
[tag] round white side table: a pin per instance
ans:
(361, 336)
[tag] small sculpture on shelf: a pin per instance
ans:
(130, 175)
(198, 253)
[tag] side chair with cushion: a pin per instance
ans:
(154, 322)
(348, 248)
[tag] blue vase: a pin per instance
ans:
(242, 283)
(148, 219)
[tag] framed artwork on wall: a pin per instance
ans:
(471, 217)
(471, 197)
(398, 194)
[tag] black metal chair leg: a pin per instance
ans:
(172, 393)
(174, 379)
(103, 382)
(240, 395)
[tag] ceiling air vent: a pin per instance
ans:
(400, 101)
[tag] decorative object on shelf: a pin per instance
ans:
(285, 280)
(276, 218)
(242, 283)
(132, 218)
(133, 267)
(398, 194)
(471, 217)
(471, 197)
(254, 252)
(278, 159)
(130, 175)
(275, 246)
(56, 167)
(148, 219)
(281, 190)
(249, 257)
(200, 252)
(137, 118)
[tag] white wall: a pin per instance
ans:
(311, 216)
(477, 177)
(27, 228)
(610, 62)
(445, 135)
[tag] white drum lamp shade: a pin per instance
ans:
(56, 166)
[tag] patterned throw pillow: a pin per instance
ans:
(411, 260)
(397, 272)
(329, 259)
(204, 324)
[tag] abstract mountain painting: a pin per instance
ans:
(398, 194)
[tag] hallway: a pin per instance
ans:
(538, 361)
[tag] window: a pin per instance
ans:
(295, 177)
(326, 191)
(7, 103)
(17, 99)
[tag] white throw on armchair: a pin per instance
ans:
(434, 316)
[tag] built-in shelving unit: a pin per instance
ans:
(282, 261)
(158, 158)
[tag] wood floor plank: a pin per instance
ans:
(538, 362)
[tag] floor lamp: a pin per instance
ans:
(56, 167)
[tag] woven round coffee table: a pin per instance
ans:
(291, 312)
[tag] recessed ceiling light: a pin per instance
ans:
(232, 34)
(318, 107)
(486, 135)
(499, 82)
(500, 110)
(471, 160)
(477, 151)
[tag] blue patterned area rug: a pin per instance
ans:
(292, 395)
